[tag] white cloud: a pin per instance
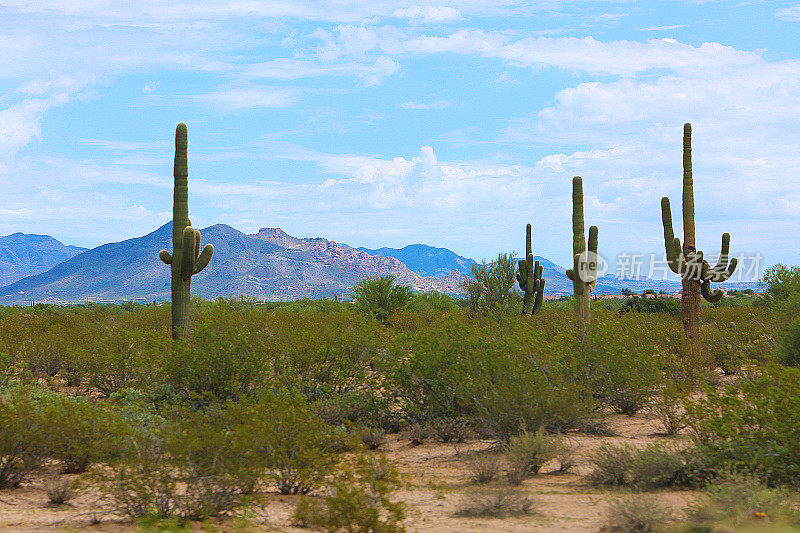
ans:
(235, 99)
(663, 28)
(438, 104)
(586, 54)
(789, 14)
(428, 14)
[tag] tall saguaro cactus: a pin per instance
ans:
(584, 262)
(186, 259)
(530, 278)
(686, 261)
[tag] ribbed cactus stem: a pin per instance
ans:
(529, 276)
(688, 192)
(696, 274)
(186, 258)
(584, 268)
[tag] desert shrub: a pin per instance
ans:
(218, 362)
(23, 444)
(418, 433)
(295, 446)
(652, 467)
(491, 289)
(638, 513)
(449, 429)
(737, 500)
(424, 370)
(789, 344)
(503, 374)
(752, 427)
(358, 499)
(115, 358)
(373, 438)
(380, 297)
(498, 505)
(528, 451)
(322, 355)
(359, 408)
(611, 464)
(59, 489)
(483, 467)
(620, 364)
(79, 432)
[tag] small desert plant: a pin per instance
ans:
(611, 464)
(652, 467)
(483, 467)
(527, 452)
(358, 500)
(373, 438)
(418, 433)
(498, 505)
(450, 429)
(379, 296)
(637, 514)
(740, 500)
(59, 489)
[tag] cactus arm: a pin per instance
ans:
(576, 275)
(539, 293)
(188, 255)
(165, 256)
(688, 190)
(722, 262)
(593, 239)
(672, 245)
(705, 290)
(570, 274)
(203, 258)
(718, 277)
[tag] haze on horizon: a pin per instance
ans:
(388, 123)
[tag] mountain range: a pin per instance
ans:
(268, 265)
(23, 255)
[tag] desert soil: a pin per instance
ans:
(437, 484)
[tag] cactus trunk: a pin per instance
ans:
(529, 276)
(686, 260)
(584, 271)
(186, 259)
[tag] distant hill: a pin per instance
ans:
(426, 260)
(255, 265)
(23, 255)
(268, 265)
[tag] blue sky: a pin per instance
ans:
(387, 123)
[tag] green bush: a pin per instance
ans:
(753, 426)
(527, 452)
(23, 444)
(652, 467)
(380, 297)
(737, 500)
(358, 500)
(789, 344)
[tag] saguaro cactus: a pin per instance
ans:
(584, 263)
(530, 278)
(186, 259)
(686, 260)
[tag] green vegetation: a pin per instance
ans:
(268, 398)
